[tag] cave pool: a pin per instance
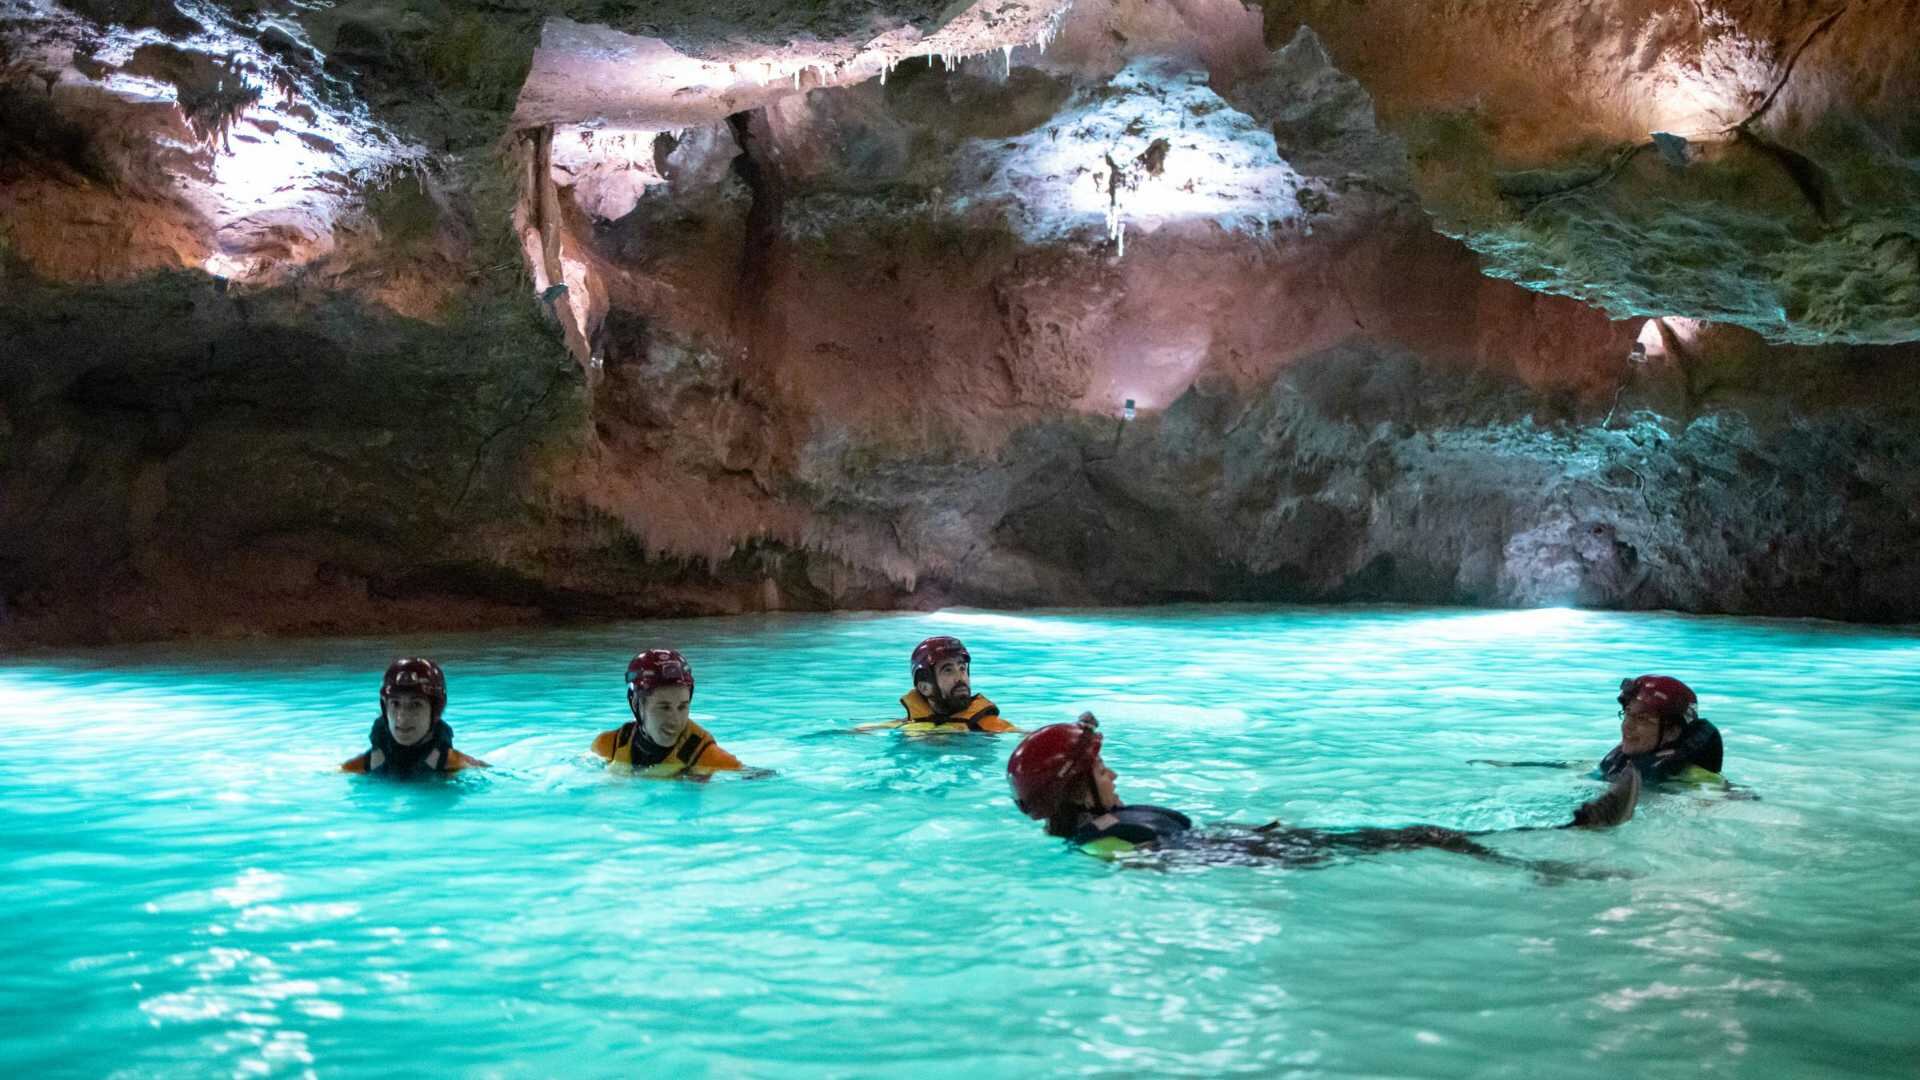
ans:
(191, 889)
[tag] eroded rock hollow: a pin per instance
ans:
(394, 314)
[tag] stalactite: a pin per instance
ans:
(544, 199)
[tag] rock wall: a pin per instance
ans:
(864, 334)
(1746, 162)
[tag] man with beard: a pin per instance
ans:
(942, 700)
(409, 738)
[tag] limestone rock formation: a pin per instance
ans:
(720, 307)
(1747, 163)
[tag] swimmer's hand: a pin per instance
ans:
(1613, 808)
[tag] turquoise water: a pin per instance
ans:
(190, 889)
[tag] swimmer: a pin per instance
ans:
(409, 738)
(662, 739)
(942, 700)
(1058, 777)
(1661, 736)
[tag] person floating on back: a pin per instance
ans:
(662, 739)
(410, 738)
(1661, 736)
(1059, 777)
(942, 700)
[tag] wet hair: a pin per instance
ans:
(1067, 820)
(1072, 813)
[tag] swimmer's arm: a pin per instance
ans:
(714, 759)
(1527, 764)
(879, 725)
(356, 764)
(458, 761)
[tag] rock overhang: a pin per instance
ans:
(232, 117)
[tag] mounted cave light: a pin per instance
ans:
(1127, 411)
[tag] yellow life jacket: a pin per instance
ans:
(1698, 777)
(978, 715)
(695, 749)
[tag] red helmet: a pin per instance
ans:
(415, 675)
(933, 652)
(1047, 763)
(655, 668)
(1671, 699)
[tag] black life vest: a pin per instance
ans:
(433, 754)
(1697, 747)
(1133, 827)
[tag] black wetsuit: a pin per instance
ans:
(1137, 828)
(1697, 747)
(1133, 827)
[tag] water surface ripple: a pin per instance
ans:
(190, 889)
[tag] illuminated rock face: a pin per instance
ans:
(899, 331)
(848, 324)
(1748, 163)
(196, 138)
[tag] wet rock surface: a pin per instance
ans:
(1750, 163)
(854, 341)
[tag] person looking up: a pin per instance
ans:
(1058, 776)
(942, 700)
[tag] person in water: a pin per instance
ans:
(942, 700)
(1059, 777)
(1662, 736)
(410, 738)
(662, 739)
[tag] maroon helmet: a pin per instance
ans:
(1672, 700)
(655, 668)
(415, 675)
(931, 653)
(1049, 764)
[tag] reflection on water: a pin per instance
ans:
(190, 888)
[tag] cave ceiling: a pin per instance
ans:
(1753, 164)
